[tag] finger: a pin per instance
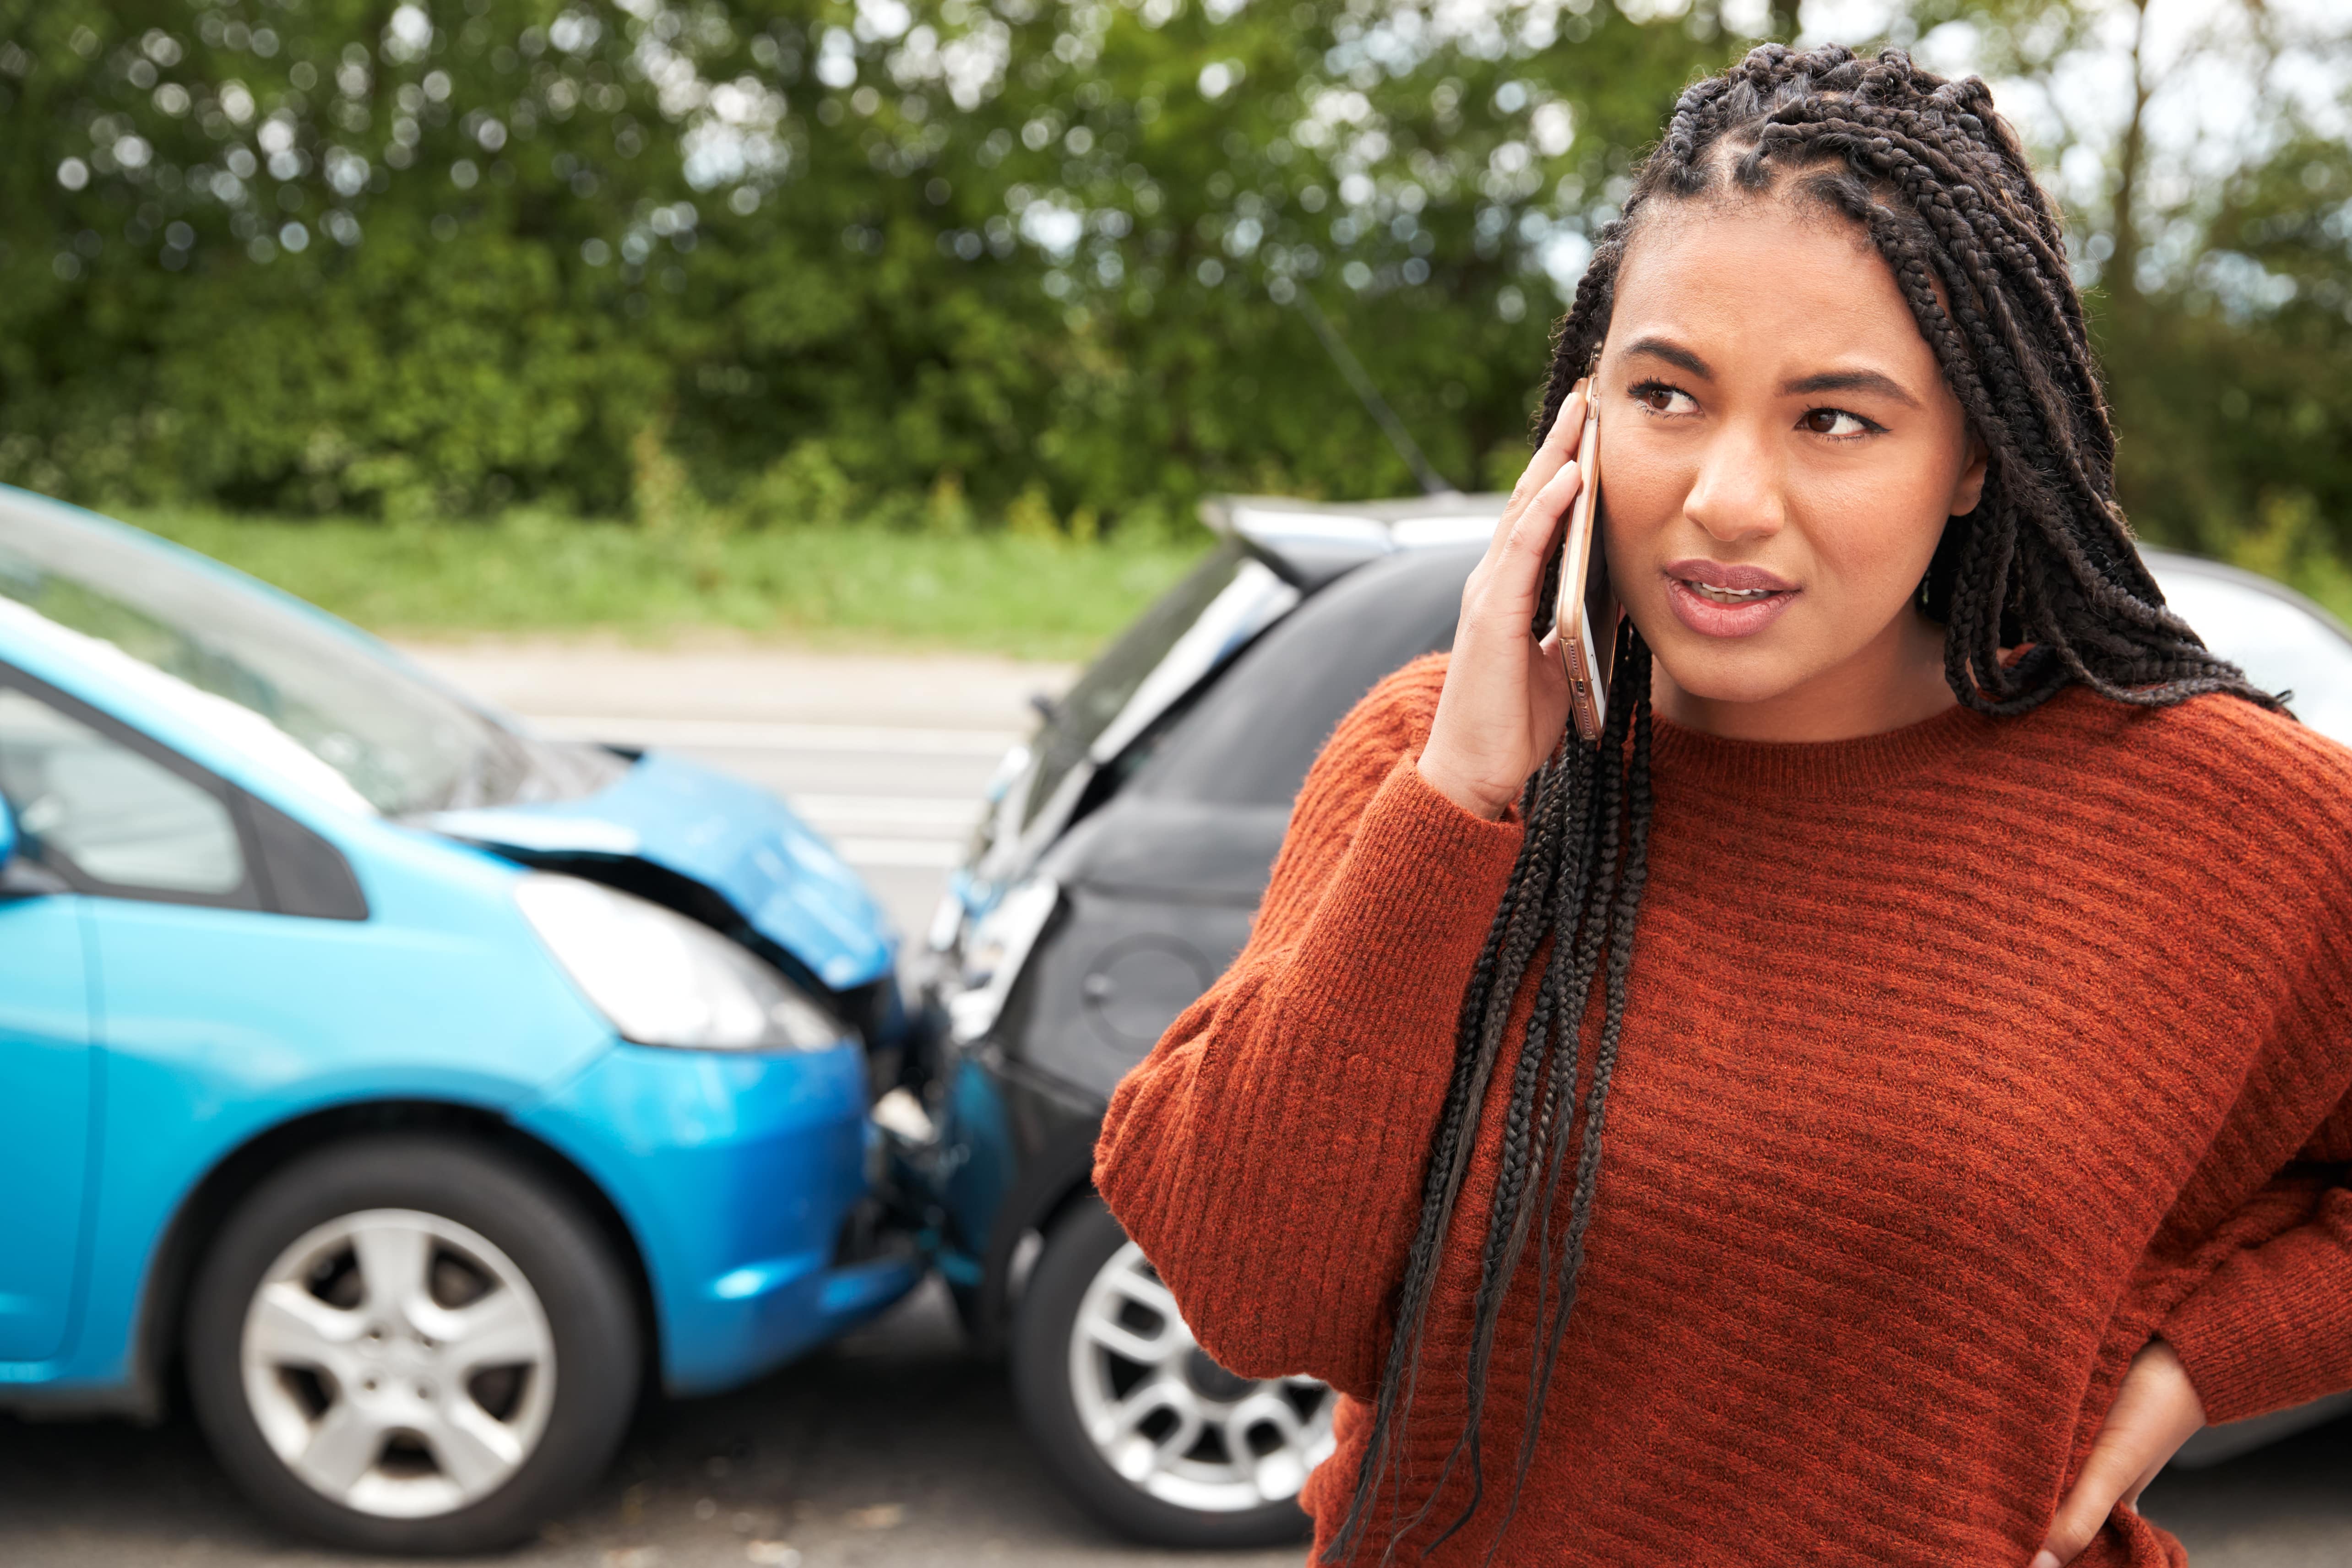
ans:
(1530, 544)
(2129, 1501)
(1562, 435)
(1558, 446)
(1505, 580)
(1498, 601)
(1538, 527)
(2104, 1476)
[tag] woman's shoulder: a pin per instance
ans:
(2213, 741)
(1388, 722)
(2216, 766)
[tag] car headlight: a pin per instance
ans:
(663, 979)
(995, 951)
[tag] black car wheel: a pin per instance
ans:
(1149, 1433)
(412, 1345)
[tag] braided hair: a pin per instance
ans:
(2038, 588)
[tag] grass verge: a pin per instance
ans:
(531, 573)
(539, 574)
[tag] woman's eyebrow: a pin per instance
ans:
(1851, 380)
(1672, 354)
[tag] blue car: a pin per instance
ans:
(422, 1087)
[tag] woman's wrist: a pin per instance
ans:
(1478, 802)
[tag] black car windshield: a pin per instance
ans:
(1227, 598)
(403, 744)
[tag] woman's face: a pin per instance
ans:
(1778, 454)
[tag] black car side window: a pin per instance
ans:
(110, 818)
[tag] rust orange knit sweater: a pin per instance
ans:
(1958, 1062)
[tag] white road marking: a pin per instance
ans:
(753, 734)
(894, 815)
(928, 854)
(893, 830)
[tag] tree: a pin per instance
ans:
(2208, 189)
(1045, 260)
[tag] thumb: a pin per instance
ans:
(2106, 1476)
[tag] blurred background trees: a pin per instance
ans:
(1051, 264)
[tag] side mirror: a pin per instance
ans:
(20, 877)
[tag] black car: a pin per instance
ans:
(1115, 876)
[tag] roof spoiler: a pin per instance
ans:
(1311, 542)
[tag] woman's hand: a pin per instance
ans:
(2156, 1411)
(1506, 696)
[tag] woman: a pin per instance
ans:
(1954, 951)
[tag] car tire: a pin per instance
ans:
(1218, 1459)
(411, 1344)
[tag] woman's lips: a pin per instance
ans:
(1716, 599)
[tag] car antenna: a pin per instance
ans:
(1432, 482)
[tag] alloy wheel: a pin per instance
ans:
(1170, 1420)
(398, 1362)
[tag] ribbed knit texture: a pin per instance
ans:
(1958, 1063)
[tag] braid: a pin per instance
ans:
(1592, 879)
(2038, 588)
(1567, 887)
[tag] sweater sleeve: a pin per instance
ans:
(2271, 1327)
(1268, 1154)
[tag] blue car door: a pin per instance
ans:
(102, 818)
(47, 1065)
(46, 1091)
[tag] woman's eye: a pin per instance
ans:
(1664, 399)
(1835, 422)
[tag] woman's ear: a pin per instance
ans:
(1969, 487)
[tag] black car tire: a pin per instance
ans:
(1081, 1243)
(589, 1316)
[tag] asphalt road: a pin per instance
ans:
(896, 1448)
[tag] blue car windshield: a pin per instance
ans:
(402, 743)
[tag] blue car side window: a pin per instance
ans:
(113, 819)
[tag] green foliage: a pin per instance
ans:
(951, 266)
(932, 259)
(2235, 382)
(534, 572)
(2222, 306)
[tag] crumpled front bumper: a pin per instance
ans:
(737, 1174)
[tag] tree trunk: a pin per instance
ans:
(2121, 273)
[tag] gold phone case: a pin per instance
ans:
(1586, 614)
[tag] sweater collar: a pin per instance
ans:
(1818, 767)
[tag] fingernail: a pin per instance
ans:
(2045, 1559)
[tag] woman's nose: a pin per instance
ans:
(1736, 493)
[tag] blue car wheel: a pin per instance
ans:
(409, 1344)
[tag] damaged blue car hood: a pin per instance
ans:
(737, 840)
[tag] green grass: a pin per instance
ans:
(871, 587)
(535, 574)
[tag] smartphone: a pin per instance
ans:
(1586, 614)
